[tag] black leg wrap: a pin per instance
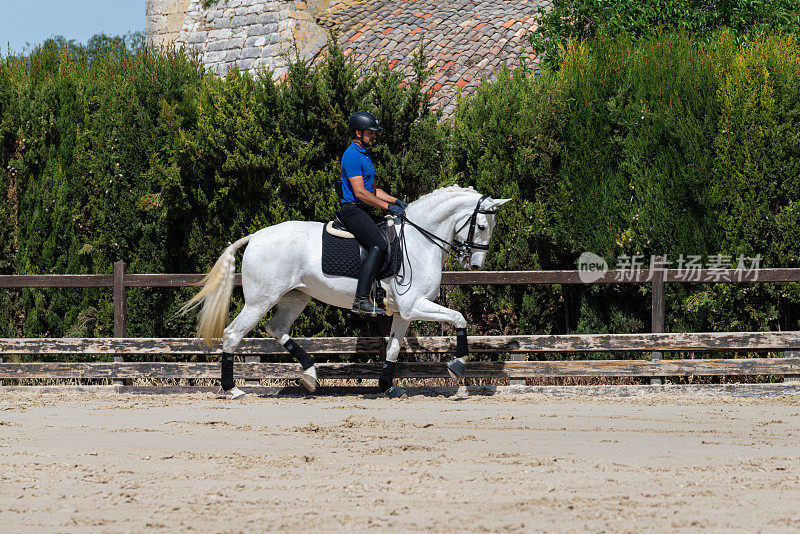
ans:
(227, 371)
(305, 359)
(462, 347)
(387, 374)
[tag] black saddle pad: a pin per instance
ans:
(343, 257)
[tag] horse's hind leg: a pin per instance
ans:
(291, 306)
(244, 322)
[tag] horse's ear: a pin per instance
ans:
(496, 203)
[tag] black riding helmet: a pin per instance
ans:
(363, 120)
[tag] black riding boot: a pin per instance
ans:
(369, 269)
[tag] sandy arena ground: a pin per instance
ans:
(102, 462)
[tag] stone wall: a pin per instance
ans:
(251, 35)
(164, 20)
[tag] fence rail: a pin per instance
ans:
(703, 341)
(449, 278)
(524, 369)
(254, 350)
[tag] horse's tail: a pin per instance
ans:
(215, 295)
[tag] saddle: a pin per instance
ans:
(342, 255)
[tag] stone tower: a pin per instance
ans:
(163, 21)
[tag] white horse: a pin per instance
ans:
(282, 264)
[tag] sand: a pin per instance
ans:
(104, 462)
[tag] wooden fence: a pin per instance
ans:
(519, 347)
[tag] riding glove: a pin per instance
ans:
(396, 210)
(402, 203)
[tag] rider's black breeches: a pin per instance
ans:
(360, 221)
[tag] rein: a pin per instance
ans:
(443, 244)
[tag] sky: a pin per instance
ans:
(33, 21)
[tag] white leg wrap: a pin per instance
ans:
(309, 379)
(312, 372)
(393, 350)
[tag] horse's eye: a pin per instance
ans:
(481, 227)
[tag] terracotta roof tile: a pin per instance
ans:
(464, 39)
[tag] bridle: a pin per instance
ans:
(467, 245)
(457, 249)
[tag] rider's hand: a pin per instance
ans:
(396, 210)
(402, 203)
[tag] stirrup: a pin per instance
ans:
(365, 305)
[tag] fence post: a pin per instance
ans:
(787, 379)
(252, 359)
(521, 357)
(657, 309)
(120, 309)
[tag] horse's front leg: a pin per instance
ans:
(425, 310)
(399, 327)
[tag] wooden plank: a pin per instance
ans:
(789, 379)
(613, 276)
(252, 359)
(657, 309)
(625, 391)
(518, 357)
(733, 275)
(262, 391)
(120, 301)
(606, 391)
(702, 341)
(56, 280)
(120, 310)
(621, 276)
(170, 280)
(509, 369)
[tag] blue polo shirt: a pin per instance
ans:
(356, 161)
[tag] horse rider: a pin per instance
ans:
(360, 198)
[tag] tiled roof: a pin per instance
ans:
(464, 39)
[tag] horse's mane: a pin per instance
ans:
(434, 197)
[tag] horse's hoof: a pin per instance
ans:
(309, 379)
(456, 368)
(395, 392)
(235, 393)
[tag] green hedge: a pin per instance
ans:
(703, 19)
